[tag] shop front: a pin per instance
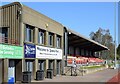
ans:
(49, 58)
(29, 59)
(11, 63)
(58, 67)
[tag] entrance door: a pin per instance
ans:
(41, 64)
(51, 64)
(58, 67)
(18, 70)
(11, 71)
(29, 67)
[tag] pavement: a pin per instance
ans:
(116, 78)
(99, 76)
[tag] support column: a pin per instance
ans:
(46, 38)
(36, 36)
(5, 66)
(55, 67)
(22, 34)
(46, 67)
(64, 60)
(23, 65)
(55, 39)
(1, 70)
(35, 68)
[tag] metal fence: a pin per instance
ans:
(8, 41)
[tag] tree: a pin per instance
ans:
(118, 52)
(103, 37)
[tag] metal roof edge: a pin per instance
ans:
(78, 34)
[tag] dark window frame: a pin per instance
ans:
(58, 41)
(51, 39)
(4, 34)
(29, 33)
(41, 37)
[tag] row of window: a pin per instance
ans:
(29, 36)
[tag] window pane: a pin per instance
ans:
(58, 42)
(41, 64)
(29, 66)
(41, 37)
(50, 39)
(29, 33)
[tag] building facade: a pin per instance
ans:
(40, 37)
(31, 41)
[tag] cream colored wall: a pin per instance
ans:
(38, 20)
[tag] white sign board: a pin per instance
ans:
(49, 53)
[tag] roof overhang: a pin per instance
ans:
(77, 40)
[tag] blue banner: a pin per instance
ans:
(29, 50)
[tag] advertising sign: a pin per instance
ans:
(49, 53)
(9, 51)
(29, 50)
(11, 75)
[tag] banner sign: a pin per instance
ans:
(49, 53)
(9, 51)
(29, 50)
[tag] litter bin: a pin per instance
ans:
(49, 73)
(26, 77)
(40, 75)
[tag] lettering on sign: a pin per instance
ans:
(50, 53)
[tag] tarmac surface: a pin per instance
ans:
(99, 76)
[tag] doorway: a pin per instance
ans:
(41, 65)
(11, 71)
(18, 70)
(14, 70)
(51, 64)
(30, 67)
(58, 67)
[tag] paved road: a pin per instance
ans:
(100, 76)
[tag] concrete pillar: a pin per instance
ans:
(1, 71)
(55, 39)
(46, 67)
(35, 68)
(22, 34)
(46, 38)
(64, 63)
(36, 36)
(36, 63)
(66, 48)
(5, 66)
(23, 65)
(55, 67)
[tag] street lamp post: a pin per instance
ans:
(115, 36)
